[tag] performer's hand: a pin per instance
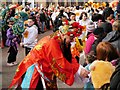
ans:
(92, 68)
(84, 73)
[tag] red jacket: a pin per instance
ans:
(48, 54)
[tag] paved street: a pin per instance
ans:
(8, 72)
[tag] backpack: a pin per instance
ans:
(115, 79)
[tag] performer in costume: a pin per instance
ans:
(49, 59)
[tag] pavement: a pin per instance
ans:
(7, 73)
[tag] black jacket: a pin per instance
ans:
(107, 11)
(42, 17)
(115, 78)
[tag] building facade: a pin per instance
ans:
(45, 3)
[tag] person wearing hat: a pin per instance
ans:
(12, 41)
(50, 59)
(90, 27)
(102, 69)
(90, 37)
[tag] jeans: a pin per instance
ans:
(43, 26)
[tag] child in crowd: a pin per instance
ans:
(12, 42)
(89, 59)
(30, 35)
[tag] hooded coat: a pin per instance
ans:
(114, 38)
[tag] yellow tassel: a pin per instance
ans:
(78, 46)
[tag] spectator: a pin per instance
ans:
(107, 11)
(89, 59)
(54, 15)
(72, 18)
(42, 20)
(90, 37)
(102, 69)
(30, 35)
(114, 36)
(77, 13)
(84, 19)
(12, 41)
(96, 18)
(99, 35)
(115, 80)
(107, 27)
(68, 13)
(58, 20)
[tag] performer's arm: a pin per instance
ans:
(64, 70)
(82, 72)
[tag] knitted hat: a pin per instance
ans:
(90, 27)
(101, 72)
